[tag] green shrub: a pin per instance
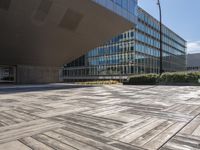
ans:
(100, 82)
(193, 77)
(146, 79)
(180, 77)
(165, 78)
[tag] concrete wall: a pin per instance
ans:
(54, 32)
(36, 74)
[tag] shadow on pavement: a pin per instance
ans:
(34, 88)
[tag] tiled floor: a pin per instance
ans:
(70, 117)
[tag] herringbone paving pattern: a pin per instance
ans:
(101, 118)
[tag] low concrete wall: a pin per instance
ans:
(36, 74)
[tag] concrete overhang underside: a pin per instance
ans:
(54, 32)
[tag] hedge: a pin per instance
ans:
(180, 77)
(145, 79)
(103, 82)
(165, 78)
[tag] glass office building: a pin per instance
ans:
(133, 52)
(124, 8)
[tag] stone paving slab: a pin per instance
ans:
(117, 117)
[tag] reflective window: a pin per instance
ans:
(135, 51)
(124, 8)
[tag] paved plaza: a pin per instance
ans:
(117, 117)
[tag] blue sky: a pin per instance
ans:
(182, 16)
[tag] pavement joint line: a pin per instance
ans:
(178, 131)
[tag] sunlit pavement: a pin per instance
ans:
(71, 117)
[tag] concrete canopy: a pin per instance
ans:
(54, 32)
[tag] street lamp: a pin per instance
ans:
(161, 47)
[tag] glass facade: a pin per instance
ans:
(7, 74)
(136, 51)
(124, 8)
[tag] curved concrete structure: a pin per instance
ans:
(54, 32)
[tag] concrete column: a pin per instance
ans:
(36, 74)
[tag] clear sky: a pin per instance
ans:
(182, 16)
